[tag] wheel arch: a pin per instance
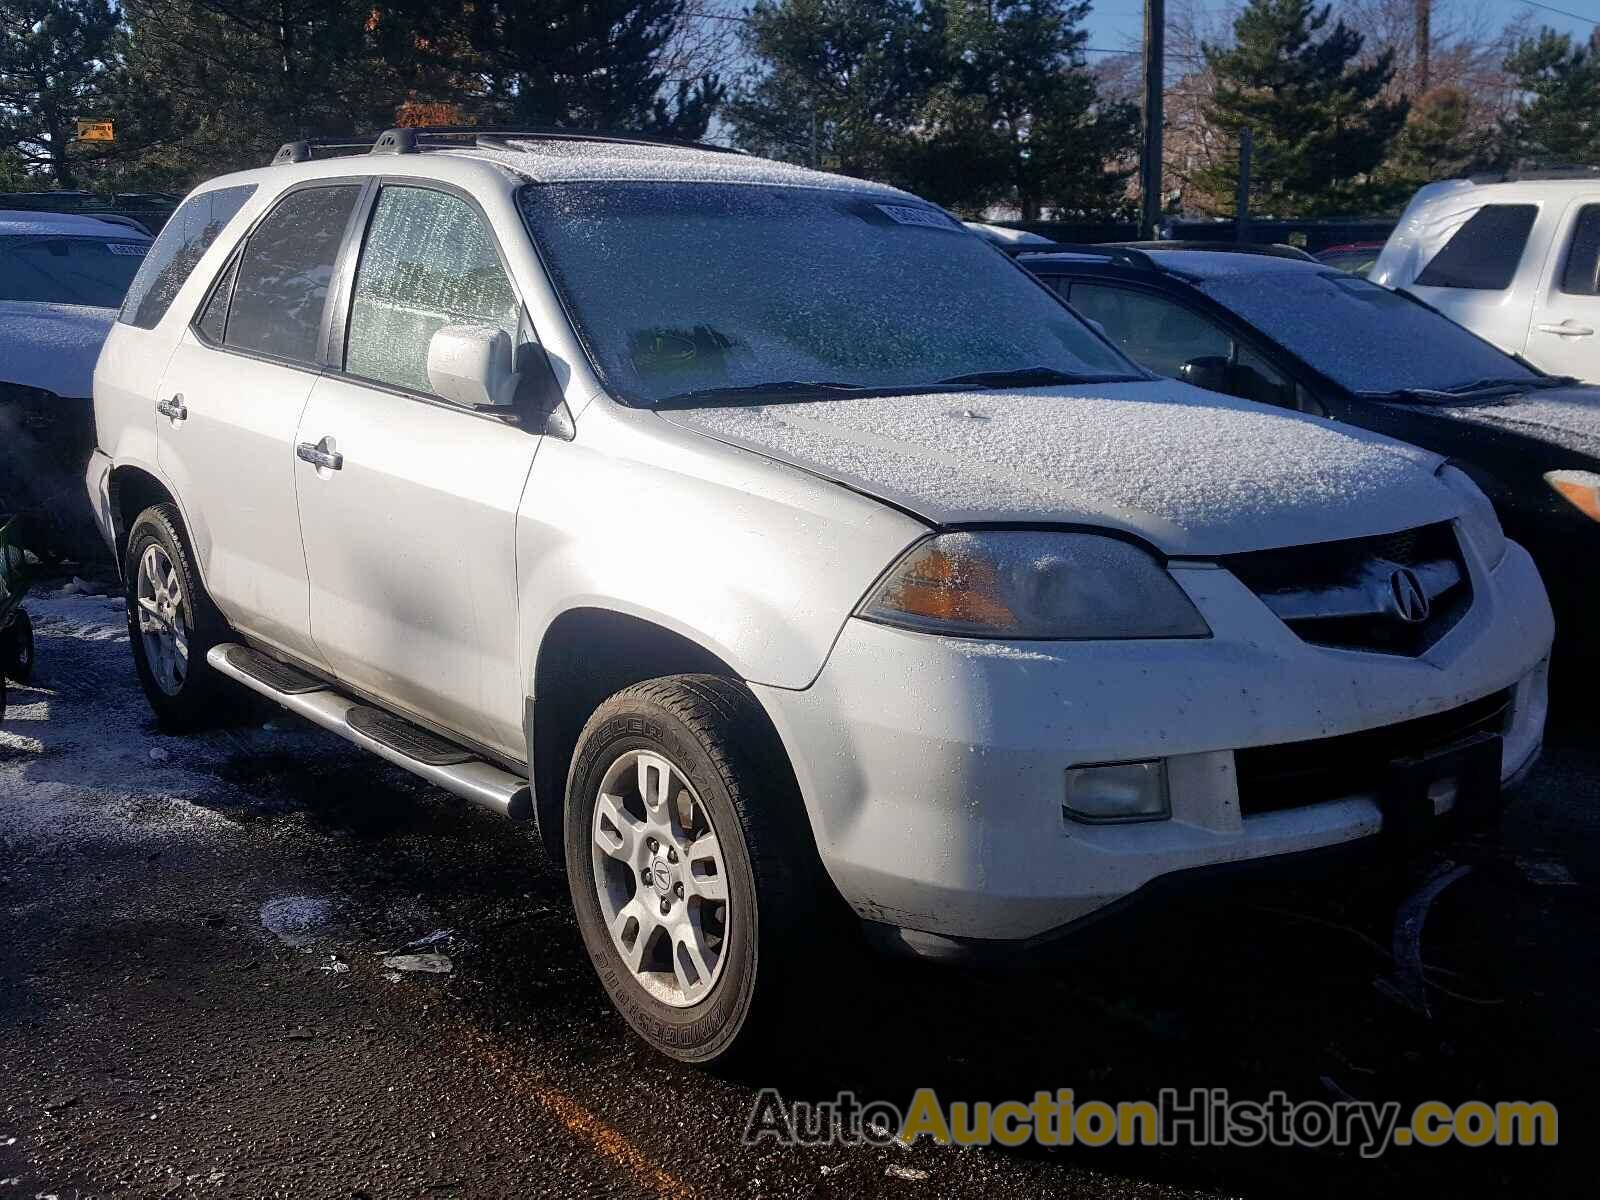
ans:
(586, 655)
(132, 490)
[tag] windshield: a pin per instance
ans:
(68, 270)
(686, 288)
(1363, 337)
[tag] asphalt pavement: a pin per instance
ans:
(258, 963)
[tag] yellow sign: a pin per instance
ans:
(96, 131)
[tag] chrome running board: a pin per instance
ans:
(472, 779)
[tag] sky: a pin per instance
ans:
(1119, 24)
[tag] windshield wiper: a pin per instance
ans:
(1479, 389)
(1024, 377)
(794, 389)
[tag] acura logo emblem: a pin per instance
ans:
(1410, 601)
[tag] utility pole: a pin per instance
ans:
(1424, 43)
(1155, 56)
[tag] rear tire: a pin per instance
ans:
(695, 878)
(16, 648)
(171, 622)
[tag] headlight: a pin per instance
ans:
(1581, 489)
(1028, 584)
(1480, 522)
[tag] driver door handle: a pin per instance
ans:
(174, 408)
(1566, 329)
(328, 460)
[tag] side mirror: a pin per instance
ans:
(1209, 372)
(472, 365)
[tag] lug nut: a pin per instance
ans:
(672, 856)
(645, 876)
(677, 890)
(652, 844)
(666, 907)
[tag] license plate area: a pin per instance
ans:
(1459, 783)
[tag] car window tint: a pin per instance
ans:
(1582, 274)
(428, 262)
(213, 322)
(282, 284)
(186, 236)
(68, 270)
(1483, 254)
(1153, 331)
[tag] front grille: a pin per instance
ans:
(1342, 594)
(1295, 774)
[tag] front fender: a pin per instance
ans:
(757, 562)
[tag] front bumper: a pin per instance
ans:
(933, 769)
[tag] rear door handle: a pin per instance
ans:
(173, 409)
(313, 453)
(1567, 330)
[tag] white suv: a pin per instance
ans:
(791, 542)
(1516, 262)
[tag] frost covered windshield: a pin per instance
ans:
(1363, 337)
(679, 289)
(68, 270)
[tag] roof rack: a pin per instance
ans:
(311, 148)
(1128, 256)
(413, 140)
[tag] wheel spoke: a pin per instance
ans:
(151, 607)
(690, 962)
(635, 919)
(705, 875)
(616, 833)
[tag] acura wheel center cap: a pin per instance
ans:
(661, 876)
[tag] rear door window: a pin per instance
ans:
(1483, 254)
(281, 288)
(182, 241)
(1581, 277)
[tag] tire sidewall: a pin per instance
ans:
(705, 1030)
(190, 704)
(18, 649)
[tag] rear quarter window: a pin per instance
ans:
(1483, 254)
(182, 241)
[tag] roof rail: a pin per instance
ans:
(411, 140)
(306, 149)
(1127, 255)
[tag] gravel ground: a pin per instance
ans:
(194, 997)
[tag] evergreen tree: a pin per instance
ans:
(1320, 121)
(54, 57)
(839, 82)
(1438, 142)
(1560, 123)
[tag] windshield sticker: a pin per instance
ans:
(904, 214)
(133, 248)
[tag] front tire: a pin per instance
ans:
(691, 869)
(171, 622)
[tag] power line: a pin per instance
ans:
(1562, 12)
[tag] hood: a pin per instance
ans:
(52, 346)
(1192, 472)
(1567, 417)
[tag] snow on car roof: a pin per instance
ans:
(25, 223)
(576, 161)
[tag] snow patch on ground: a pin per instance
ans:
(295, 920)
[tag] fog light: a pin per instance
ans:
(1125, 791)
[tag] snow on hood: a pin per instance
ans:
(1191, 471)
(52, 346)
(1569, 417)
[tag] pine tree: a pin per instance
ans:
(1320, 121)
(53, 66)
(1560, 123)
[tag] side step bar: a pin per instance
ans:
(471, 778)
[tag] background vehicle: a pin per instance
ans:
(1356, 257)
(1516, 262)
(1305, 337)
(61, 279)
(776, 545)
